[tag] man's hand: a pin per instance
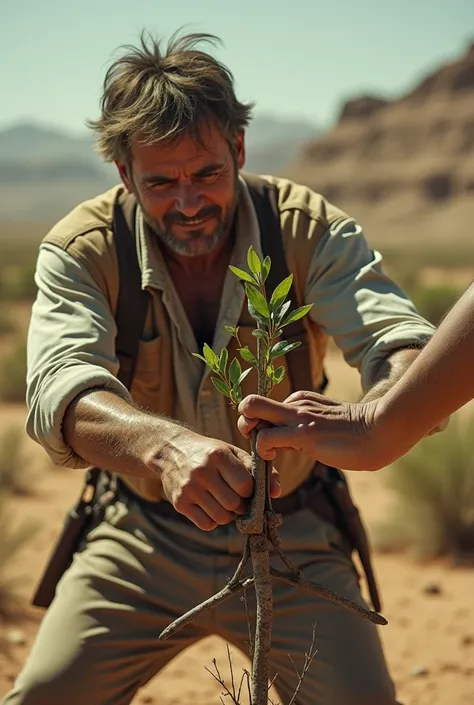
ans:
(207, 480)
(336, 433)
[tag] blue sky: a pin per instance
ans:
(300, 58)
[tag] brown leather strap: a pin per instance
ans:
(132, 300)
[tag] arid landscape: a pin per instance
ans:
(405, 169)
(429, 640)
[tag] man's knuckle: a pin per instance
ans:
(217, 455)
(250, 402)
(244, 484)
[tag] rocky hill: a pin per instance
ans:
(404, 168)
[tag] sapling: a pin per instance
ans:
(260, 524)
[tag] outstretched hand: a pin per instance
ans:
(336, 433)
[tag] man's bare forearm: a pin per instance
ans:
(108, 431)
(389, 372)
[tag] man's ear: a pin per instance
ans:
(239, 146)
(124, 173)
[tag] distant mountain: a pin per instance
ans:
(45, 171)
(405, 167)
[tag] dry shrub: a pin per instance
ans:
(433, 488)
(433, 302)
(17, 476)
(13, 375)
(14, 538)
(7, 324)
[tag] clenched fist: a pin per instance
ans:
(207, 480)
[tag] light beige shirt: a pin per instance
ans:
(71, 339)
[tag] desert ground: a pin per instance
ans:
(429, 640)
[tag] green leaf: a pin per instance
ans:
(266, 266)
(223, 358)
(259, 333)
(232, 331)
(253, 261)
(221, 386)
(281, 292)
(200, 357)
(282, 348)
(258, 302)
(279, 315)
(243, 376)
(211, 357)
(248, 356)
(278, 374)
(243, 275)
(296, 314)
(235, 370)
(237, 393)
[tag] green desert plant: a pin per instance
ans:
(433, 486)
(271, 317)
(13, 375)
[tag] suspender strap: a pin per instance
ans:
(132, 300)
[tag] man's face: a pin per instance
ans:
(187, 190)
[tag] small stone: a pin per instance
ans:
(147, 699)
(467, 640)
(16, 637)
(432, 589)
(419, 672)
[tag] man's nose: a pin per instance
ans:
(188, 200)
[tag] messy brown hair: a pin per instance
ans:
(160, 95)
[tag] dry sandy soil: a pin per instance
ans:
(429, 640)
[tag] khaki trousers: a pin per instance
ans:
(138, 571)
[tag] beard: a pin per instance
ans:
(197, 242)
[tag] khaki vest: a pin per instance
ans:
(86, 234)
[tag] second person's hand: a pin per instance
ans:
(340, 434)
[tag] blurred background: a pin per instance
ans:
(369, 103)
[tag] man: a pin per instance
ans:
(175, 129)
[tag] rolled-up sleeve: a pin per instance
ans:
(70, 348)
(357, 304)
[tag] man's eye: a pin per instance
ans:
(160, 184)
(209, 176)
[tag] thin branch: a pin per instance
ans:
(222, 683)
(217, 599)
(325, 592)
(307, 665)
(231, 671)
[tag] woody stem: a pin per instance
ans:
(260, 558)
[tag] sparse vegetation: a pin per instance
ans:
(13, 374)
(14, 538)
(16, 474)
(434, 489)
(7, 324)
(17, 283)
(433, 302)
